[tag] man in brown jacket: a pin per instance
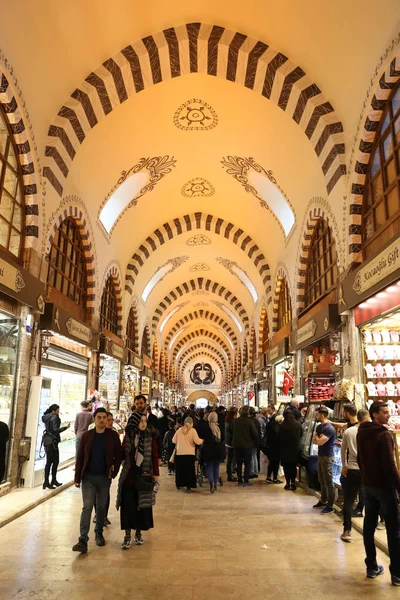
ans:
(98, 461)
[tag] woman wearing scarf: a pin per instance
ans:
(213, 451)
(185, 440)
(141, 457)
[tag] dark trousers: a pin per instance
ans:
(230, 460)
(107, 503)
(95, 488)
(290, 469)
(273, 469)
(171, 467)
(384, 502)
(2, 463)
(325, 478)
(52, 460)
(351, 485)
(243, 455)
(212, 470)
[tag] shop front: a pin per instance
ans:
(263, 378)
(146, 378)
(130, 380)
(281, 362)
(373, 290)
(111, 359)
(66, 347)
(157, 389)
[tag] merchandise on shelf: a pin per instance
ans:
(381, 353)
(284, 380)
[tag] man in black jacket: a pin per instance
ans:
(381, 485)
(4, 437)
(245, 438)
(98, 461)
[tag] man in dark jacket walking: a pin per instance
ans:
(98, 461)
(381, 484)
(245, 438)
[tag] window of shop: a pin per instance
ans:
(284, 305)
(381, 203)
(146, 342)
(9, 330)
(322, 270)
(11, 192)
(109, 307)
(67, 270)
(131, 331)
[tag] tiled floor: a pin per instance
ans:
(203, 547)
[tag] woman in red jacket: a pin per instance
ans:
(141, 457)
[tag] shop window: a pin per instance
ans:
(131, 331)
(11, 192)
(322, 269)
(109, 307)
(67, 269)
(146, 342)
(284, 305)
(381, 203)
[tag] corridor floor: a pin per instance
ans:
(202, 547)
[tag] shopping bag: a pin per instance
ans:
(172, 457)
(263, 464)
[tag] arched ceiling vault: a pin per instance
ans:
(198, 334)
(199, 317)
(201, 357)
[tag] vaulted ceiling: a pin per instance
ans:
(234, 115)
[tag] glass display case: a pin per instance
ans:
(283, 381)
(109, 382)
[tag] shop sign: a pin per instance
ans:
(135, 361)
(147, 361)
(20, 284)
(306, 332)
(11, 277)
(79, 330)
(159, 377)
(377, 269)
(117, 351)
(260, 363)
(274, 353)
(279, 351)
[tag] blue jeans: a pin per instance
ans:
(384, 503)
(212, 470)
(95, 488)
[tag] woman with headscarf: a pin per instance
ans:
(213, 451)
(141, 462)
(51, 439)
(185, 440)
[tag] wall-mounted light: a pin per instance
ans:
(45, 340)
(101, 365)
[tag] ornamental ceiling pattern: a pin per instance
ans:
(197, 188)
(195, 115)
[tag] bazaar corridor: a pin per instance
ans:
(203, 546)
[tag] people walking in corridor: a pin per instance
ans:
(324, 437)
(289, 447)
(83, 419)
(230, 458)
(255, 452)
(99, 458)
(245, 438)
(213, 451)
(273, 447)
(169, 447)
(4, 437)
(136, 486)
(381, 486)
(185, 440)
(51, 439)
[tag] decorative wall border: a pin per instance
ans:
(73, 207)
(192, 222)
(195, 285)
(196, 48)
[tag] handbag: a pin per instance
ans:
(172, 457)
(144, 483)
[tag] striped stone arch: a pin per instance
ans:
(312, 219)
(387, 82)
(135, 315)
(197, 334)
(253, 344)
(113, 271)
(281, 277)
(187, 360)
(262, 325)
(189, 223)
(238, 362)
(202, 346)
(18, 127)
(155, 356)
(200, 285)
(145, 340)
(201, 314)
(196, 48)
(162, 361)
(245, 355)
(77, 213)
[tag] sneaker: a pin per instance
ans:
(126, 543)
(100, 541)
(287, 487)
(327, 510)
(395, 580)
(80, 547)
(346, 536)
(248, 484)
(381, 526)
(319, 504)
(170, 473)
(107, 522)
(372, 573)
(188, 491)
(277, 481)
(269, 480)
(139, 540)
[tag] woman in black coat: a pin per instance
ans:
(213, 451)
(273, 448)
(51, 439)
(289, 441)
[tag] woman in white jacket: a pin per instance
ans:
(186, 439)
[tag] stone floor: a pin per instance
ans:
(203, 546)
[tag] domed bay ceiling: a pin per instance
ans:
(193, 141)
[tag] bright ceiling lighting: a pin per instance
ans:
(230, 313)
(275, 200)
(167, 318)
(119, 200)
(158, 275)
(246, 281)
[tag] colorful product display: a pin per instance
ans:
(381, 346)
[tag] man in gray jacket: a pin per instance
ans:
(83, 419)
(245, 438)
